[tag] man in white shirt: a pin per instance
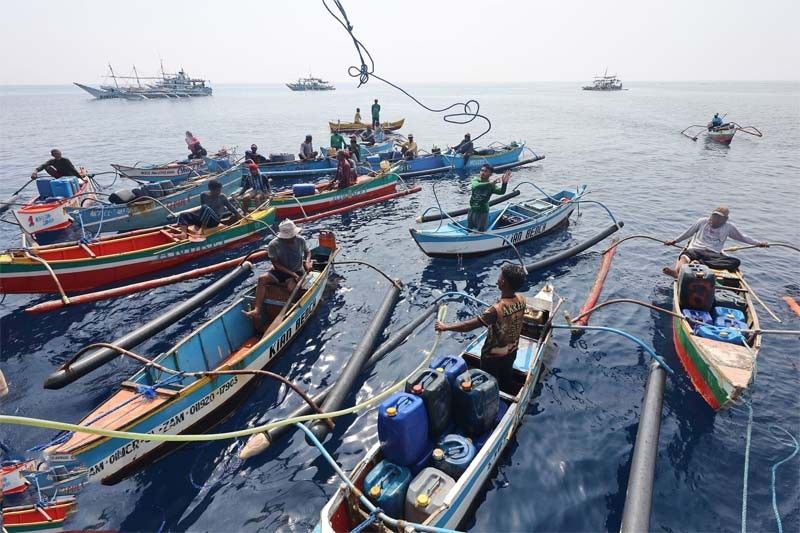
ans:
(708, 239)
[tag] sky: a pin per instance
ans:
(412, 41)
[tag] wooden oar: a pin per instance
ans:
(7, 204)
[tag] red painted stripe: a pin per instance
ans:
(694, 374)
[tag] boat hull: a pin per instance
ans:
(19, 275)
(366, 189)
(142, 214)
(198, 406)
(456, 242)
(42, 218)
(351, 127)
(29, 518)
(175, 172)
(722, 136)
(476, 161)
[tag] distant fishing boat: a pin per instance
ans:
(159, 402)
(442, 501)
(514, 224)
(179, 85)
(354, 127)
(311, 84)
(605, 83)
(722, 134)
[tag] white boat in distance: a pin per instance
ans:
(178, 85)
(311, 84)
(605, 83)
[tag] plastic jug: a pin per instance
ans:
(434, 389)
(61, 187)
(453, 454)
(422, 461)
(303, 189)
(452, 366)
(729, 335)
(696, 287)
(44, 187)
(386, 486)
(402, 428)
(475, 401)
(481, 440)
(730, 299)
(730, 318)
(426, 493)
(699, 316)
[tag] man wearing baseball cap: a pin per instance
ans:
(291, 259)
(708, 239)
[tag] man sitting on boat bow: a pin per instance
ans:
(291, 259)
(213, 206)
(57, 167)
(708, 240)
(504, 322)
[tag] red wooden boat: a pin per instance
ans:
(42, 516)
(12, 479)
(78, 266)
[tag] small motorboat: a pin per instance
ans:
(48, 211)
(513, 224)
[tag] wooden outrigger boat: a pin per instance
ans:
(722, 134)
(49, 214)
(175, 171)
(12, 476)
(720, 370)
(78, 266)
(156, 401)
(353, 127)
(42, 516)
(343, 512)
(366, 188)
(494, 155)
(150, 211)
(514, 224)
(317, 167)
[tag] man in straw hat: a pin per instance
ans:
(708, 240)
(291, 259)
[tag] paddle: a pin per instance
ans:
(7, 204)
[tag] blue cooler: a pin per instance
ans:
(452, 365)
(475, 401)
(386, 487)
(61, 187)
(303, 189)
(433, 388)
(502, 408)
(44, 187)
(730, 318)
(403, 428)
(453, 454)
(716, 333)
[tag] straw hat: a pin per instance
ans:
(288, 230)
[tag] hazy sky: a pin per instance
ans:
(248, 41)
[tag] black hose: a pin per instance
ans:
(566, 254)
(81, 365)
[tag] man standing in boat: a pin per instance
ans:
(708, 239)
(482, 191)
(337, 141)
(504, 323)
(376, 114)
(291, 259)
(57, 167)
(357, 118)
(355, 149)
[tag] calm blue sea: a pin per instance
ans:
(567, 468)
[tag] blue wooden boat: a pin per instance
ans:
(145, 212)
(344, 512)
(515, 223)
(156, 401)
(494, 155)
(176, 171)
(422, 165)
(318, 167)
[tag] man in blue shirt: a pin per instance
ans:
(716, 122)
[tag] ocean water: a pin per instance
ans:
(567, 467)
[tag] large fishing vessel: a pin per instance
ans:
(311, 84)
(179, 85)
(605, 83)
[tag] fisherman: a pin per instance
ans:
(482, 190)
(307, 152)
(409, 147)
(355, 149)
(345, 175)
(57, 167)
(465, 147)
(291, 259)
(716, 122)
(253, 154)
(337, 141)
(376, 114)
(196, 151)
(504, 323)
(213, 206)
(357, 118)
(380, 136)
(255, 186)
(368, 137)
(708, 240)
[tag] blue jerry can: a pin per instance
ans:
(386, 487)
(402, 428)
